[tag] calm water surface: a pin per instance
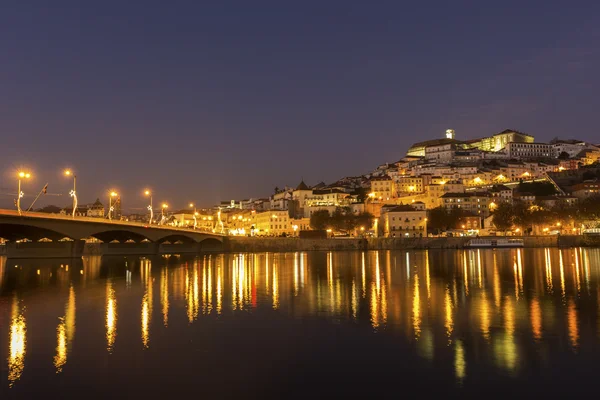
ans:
(302, 325)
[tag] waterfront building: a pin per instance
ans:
(403, 221)
(476, 203)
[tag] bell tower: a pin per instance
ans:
(449, 133)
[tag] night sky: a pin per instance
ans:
(207, 101)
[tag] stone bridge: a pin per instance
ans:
(59, 229)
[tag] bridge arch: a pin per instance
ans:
(119, 235)
(211, 245)
(174, 238)
(14, 232)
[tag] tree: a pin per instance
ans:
(437, 219)
(563, 155)
(364, 219)
(502, 217)
(319, 220)
(537, 188)
(522, 216)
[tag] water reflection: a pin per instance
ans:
(65, 332)
(17, 341)
(111, 316)
(507, 308)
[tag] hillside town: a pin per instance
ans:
(446, 186)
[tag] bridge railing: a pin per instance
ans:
(33, 214)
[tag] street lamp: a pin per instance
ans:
(148, 193)
(73, 192)
(195, 213)
(22, 175)
(110, 204)
(162, 212)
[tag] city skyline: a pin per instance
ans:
(131, 97)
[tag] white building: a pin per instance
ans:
(529, 150)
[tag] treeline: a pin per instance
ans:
(523, 216)
(341, 220)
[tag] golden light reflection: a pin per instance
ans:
(192, 293)
(17, 343)
(427, 276)
(164, 295)
(374, 307)
(549, 284)
(65, 332)
(479, 275)
(497, 287)
(60, 359)
(219, 290)
(466, 273)
(460, 365)
(573, 325)
(449, 314)
(536, 318)
(111, 317)
(147, 300)
(484, 310)
(363, 276)
(562, 274)
(354, 301)
(416, 308)
(275, 286)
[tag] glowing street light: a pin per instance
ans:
(195, 214)
(73, 192)
(111, 208)
(162, 212)
(22, 175)
(149, 193)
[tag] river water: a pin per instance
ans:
(302, 325)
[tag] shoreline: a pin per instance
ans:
(273, 245)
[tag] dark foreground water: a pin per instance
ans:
(303, 325)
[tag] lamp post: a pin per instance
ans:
(195, 214)
(110, 206)
(149, 193)
(162, 212)
(73, 192)
(21, 175)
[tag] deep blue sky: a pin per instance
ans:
(204, 101)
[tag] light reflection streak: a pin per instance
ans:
(479, 277)
(562, 275)
(363, 276)
(111, 316)
(416, 309)
(17, 342)
(573, 326)
(449, 317)
(460, 365)
(164, 295)
(536, 318)
(549, 283)
(65, 332)
(146, 314)
(497, 287)
(275, 286)
(485, 316)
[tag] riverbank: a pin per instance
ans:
(246, 244)
(235, 244)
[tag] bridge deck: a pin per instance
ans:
(47, 216)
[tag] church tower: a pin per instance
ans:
(449, 133)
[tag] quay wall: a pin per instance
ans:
(251, 244)
(246, 244)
